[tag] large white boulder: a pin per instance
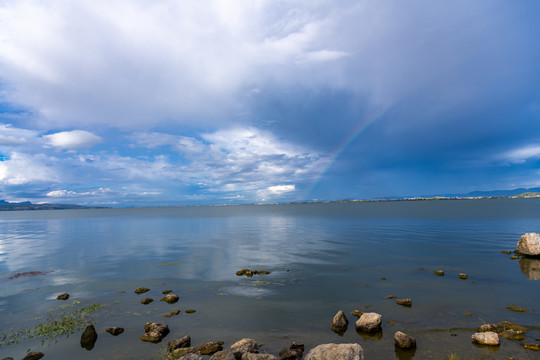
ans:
(336, 352)
(529, 244)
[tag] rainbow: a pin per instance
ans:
(344, 145)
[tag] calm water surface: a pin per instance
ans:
(322, 258)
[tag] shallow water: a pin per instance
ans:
(322, 258)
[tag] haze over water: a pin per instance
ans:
(322, 258)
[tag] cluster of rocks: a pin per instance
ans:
(250, 273)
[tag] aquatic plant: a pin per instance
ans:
(63, 325)
(453, 357)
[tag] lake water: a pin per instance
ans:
(322, 258)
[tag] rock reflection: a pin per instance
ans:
(402, 354)
(376, 336)
(530, 266)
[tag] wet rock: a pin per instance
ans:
(29, 273)
(340, 322)
(515, 257)
(512, 335)
(357, 313)
(391, 296)
(184, 342)
(170, 298)
(468, 314)
(62, 297)
(166, 292)
(534, 347)
(115, 330)
(516, 308)
(154, 332)
(141, 290)
(463, 276)
(172, 313)
(439, 272)
(89, 337)
(191, 356)
(336, 351)
(243, 346)
(404, 302)
(261, 272)
(488, 327)
(146, 301)
(190, 311)
(530, 267)
(507, 325)
(33, 355)
(291, 354)
(251, 356)
(8, 358)
(404, 341)
(486, 338)
(297, 346)
(246, 272)
(507, 252)
(223, 355)
(210, 348)
(369, 322)
(529, 244)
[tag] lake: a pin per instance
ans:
(322, 257)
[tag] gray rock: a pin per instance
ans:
(89, 337)
(336, 352)
(115, 330)
(486, 338)
(33, 355)
(243, 346)
(369, 322)
(170, 298)
(340, 322)
(529, 244)
(252, 356)
(488, 327)
(223, 355)
(404, 302)
(184, 342)
(154, 332)
(191, 356)
(404, 341)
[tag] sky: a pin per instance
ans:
(165, 102)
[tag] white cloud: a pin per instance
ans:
(70, 193)
(22, 169)
(522, 154)
(74, 139)
(11, 136)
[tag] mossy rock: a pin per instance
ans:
(463, 276)
(515, 257)
(172, 313)
(391, 296)
(164, 292)
(190, 311)
(141, 290)
(505, 325)
(516, 308)
(357, 313)
(534, 347)
(404, 302)
(261, 272)
(507, 252)
(439, 272)
(170, 298)
(146, 301)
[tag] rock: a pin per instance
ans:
(507, 252)
(391, 296)
(251, 356)
(439, 272)
(336, 351)
(115, 330)
(487, 327)
(530, 267)
(369, 322)
(89, 337)
(529, 244)
(516, 308)
(210, 348)
(190, 311)
(486, 338)
(166, 292)
(534, 347)
(154, 332)
(184, 342)
(261, 272)
(340, 322)
(513, 335)
(29, 273)
(298, 346)
(246, 272)
(357, 313)
(172, 313)
(34, 355)
(468, 314)
(404, 302)
(515, 257)
(191, 356)
(141, 290)
(146, 301)
(170, 298)
(463, 276)
(507, 325)
(404, 341)
(291, 354)
(8, 358)
(243, 346)
(223, 355)
(62, 297)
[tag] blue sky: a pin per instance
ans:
(149, 103)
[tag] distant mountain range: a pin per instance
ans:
(498, 193)
(27, 205)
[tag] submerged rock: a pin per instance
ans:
(369, 322)
(404, 341)
(340, 322)
(357, 313)
(507, 325)
(261, 272)
(439, 272)
(141, 290)
(486, 338)
(243, 346)
(29, 273)
(391, 296)
(190, 311)
(512, 335)
(529, 244)
(336, 351)
(62, 297)
(534, 347)
(463, 276)
(516, 308)
(154, 332)
(172, 313)
(404, 302)
(89, 337)
(166, 292)
(115, 330)
(34, 355)
(146, 301)
(507, 252)
(170, 298)
(488, 327)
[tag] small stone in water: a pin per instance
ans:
(62, 297)
(115, 330)
(468, 314)
(172, 313)
(404, 302)
(190, 311)
(166, 292)
(357, 313)
(463, 276)
(146, 301)
(439, 272)
(141, 290)
(515, 257)
(507, 252)
(391, 296)
(516, 308)
(534, 347)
